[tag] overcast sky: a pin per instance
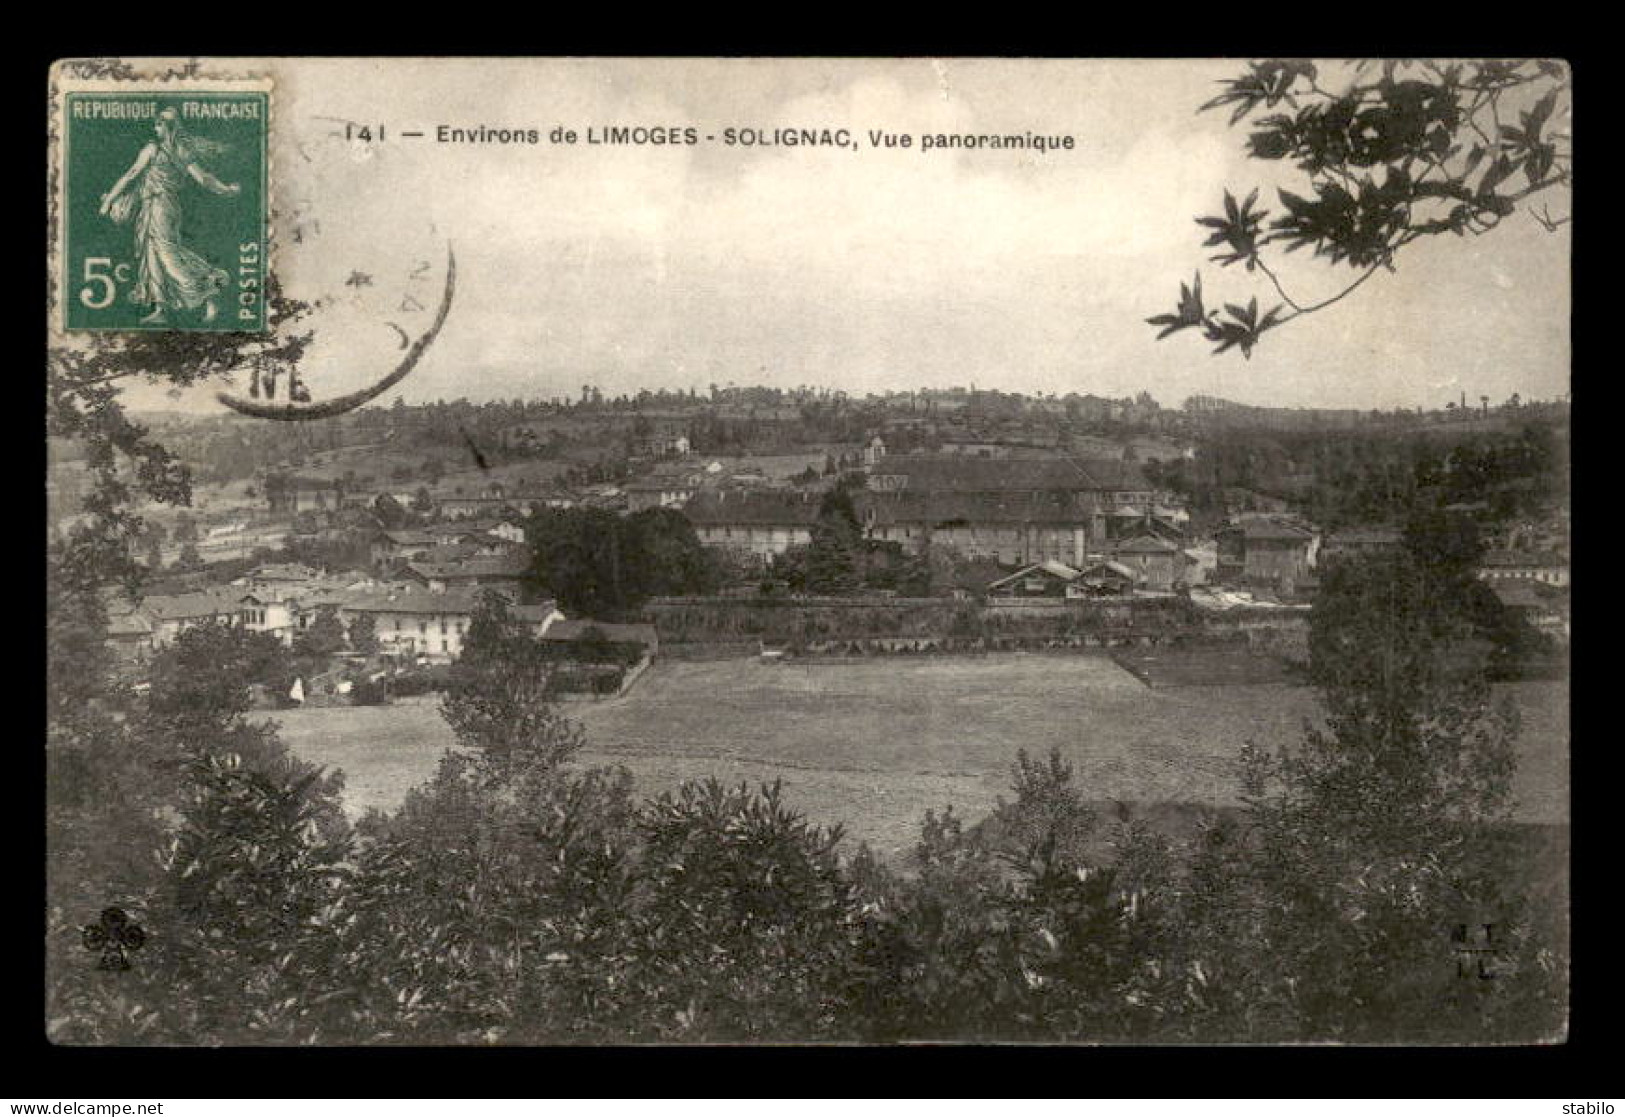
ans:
(678, 266)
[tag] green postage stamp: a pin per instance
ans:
(163, 200)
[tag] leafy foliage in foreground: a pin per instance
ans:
(517, 899)
(1390, 153)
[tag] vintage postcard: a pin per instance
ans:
(759, 551)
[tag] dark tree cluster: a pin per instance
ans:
(1358, 478)
(841, 559)
(599, 564)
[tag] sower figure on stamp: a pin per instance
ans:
(169, 275)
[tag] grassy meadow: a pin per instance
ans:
(874, 745)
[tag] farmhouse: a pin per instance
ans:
(507, 528)
(164, 617)
(641, 636)
(414, 621)
(1157, 564)
(1103, 578)
(393, 546)
(1268, 551)
(1150, 564)
(502, 572)
(1042, 579)
(484, 537)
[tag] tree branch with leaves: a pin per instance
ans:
(82, 403)
(1398, 151)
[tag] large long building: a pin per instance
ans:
(1010, 528)
(1015, 510)
(758, 525)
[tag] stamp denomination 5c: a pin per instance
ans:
(164, 197)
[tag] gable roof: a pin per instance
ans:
(1094, 569)
(1144, 545)
(1050, 567)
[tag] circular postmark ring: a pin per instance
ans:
(324, 409)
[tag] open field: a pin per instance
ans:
(1221, 666)
(874, 745)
